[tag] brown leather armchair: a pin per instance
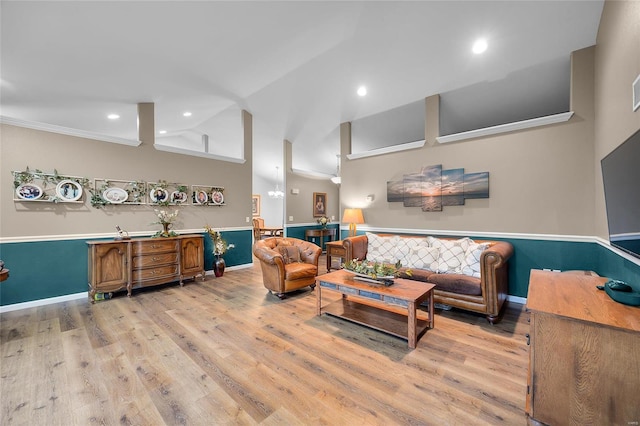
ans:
(287, 264)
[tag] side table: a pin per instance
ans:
(321, 233)
(334, 249)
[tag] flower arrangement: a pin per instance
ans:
(323, 220)
(165, 219)
(220, 246)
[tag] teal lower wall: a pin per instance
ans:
(531, 254)
(41, 270)
(299, 232)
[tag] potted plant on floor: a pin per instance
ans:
(220, 247)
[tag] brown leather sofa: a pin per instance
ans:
(287, 264)
(485, 295)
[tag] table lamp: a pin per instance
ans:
(353, 217)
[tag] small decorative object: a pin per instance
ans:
(319, 204)
(375, 272)
(122, 234)
(165, 219)
(220, 247)
(323, 220)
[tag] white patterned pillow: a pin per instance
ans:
(405, 246)
(472, 259)
(452, 254)
(423, 257)
(381, 249)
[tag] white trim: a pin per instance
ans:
(98, 236)
(68, 131)
(616, 250)
(635, 102)
(43, 302)
(509, 127)
(387, 150)
(311, 174)
(482, 234)
(175, 150)
(517, 299)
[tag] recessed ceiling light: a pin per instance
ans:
(479, 46)
(162, 132)
(187, 114)
(362, 91)
(113, 116)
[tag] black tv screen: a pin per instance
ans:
(621, 176)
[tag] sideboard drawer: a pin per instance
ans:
(154, 246)
(153, 273)
(154, 260)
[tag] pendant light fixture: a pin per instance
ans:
(277, 193)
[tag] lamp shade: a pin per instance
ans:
(353, 216)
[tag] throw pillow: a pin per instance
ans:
(452, 254)
(471, 265)
(290, 254)
(423, 257)
(381, 249)
(405, 246)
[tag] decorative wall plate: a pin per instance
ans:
(158, 195)
(69, 190)
(217, 197)
(29, 191)
(201, 197)
(178, 197)
(115, 195)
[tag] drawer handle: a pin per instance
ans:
(155, 259)
(528, 338)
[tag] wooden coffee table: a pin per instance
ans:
(391, 309)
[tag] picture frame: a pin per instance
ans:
(255, 205)
(69, 190)
(319, 204)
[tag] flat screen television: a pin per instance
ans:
(621, 176)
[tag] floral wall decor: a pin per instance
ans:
(432, 188)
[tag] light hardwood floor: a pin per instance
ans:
(224, 351)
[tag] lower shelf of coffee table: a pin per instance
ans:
(375, 317)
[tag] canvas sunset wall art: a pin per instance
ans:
(432, 188)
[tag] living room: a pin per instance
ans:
(547, 196)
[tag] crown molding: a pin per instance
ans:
(52, 128)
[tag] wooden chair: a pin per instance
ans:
(258, 224)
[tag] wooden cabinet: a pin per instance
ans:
(583, 354)
(143, 262)
(108, 267)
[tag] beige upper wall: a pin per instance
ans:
(617, 64)
(22, 147)
(541, 180)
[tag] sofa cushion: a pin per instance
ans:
(404, 246)
(456, 283)
(471, 265)
(294, 271)
(381, 249)
(416, 274)
(452, 254)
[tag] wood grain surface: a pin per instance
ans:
(225, 351)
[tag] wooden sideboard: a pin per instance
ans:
(143, 262)
(584, 354)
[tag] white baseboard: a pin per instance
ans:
(517, 299)
(43, 302)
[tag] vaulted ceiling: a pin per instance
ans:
(294, 65)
